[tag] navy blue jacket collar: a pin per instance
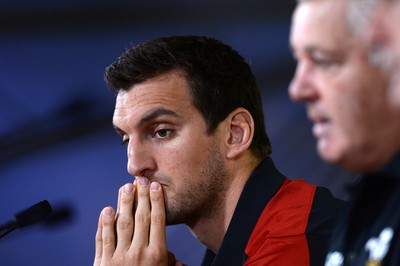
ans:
(258, 191)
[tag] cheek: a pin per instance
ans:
(357, 116)
(184, 159)
(345, 111)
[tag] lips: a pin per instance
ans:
(321, 122)
(320, 129)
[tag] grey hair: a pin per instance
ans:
(359, 12)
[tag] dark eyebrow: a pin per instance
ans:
(154, 114)
(148, 117)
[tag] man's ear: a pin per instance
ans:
(240, 126)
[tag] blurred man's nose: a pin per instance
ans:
(301, 87)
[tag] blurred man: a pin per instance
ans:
(189, 111)
(346, 99)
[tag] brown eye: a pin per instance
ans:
(163, 133)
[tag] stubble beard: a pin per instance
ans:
(203, 199)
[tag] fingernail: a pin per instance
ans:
(108, 212)
(143, 181)
(154, 186)
(128, 188)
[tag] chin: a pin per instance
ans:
(329, 158)
(346, 161)
(330, 155)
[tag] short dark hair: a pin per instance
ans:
(219, 78)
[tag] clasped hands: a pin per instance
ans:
(136, 233)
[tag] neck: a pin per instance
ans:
(375, 159)
(210, 231)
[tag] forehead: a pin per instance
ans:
(320, 23)
(168, 91)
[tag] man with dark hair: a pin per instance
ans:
(355, 127)
(190, 112)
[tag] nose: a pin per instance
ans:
(140, 161)
(301, 88)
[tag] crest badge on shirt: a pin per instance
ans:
(377, 248)
(334, 259)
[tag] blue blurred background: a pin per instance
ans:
(56, 138)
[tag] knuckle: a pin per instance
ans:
(142, 218)
(124, 223)
(126, 199)
(108, 240)
(118, 260)
(158, 255)
(143, 193)
(136, 256)
(156, 197)
(158, 219)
